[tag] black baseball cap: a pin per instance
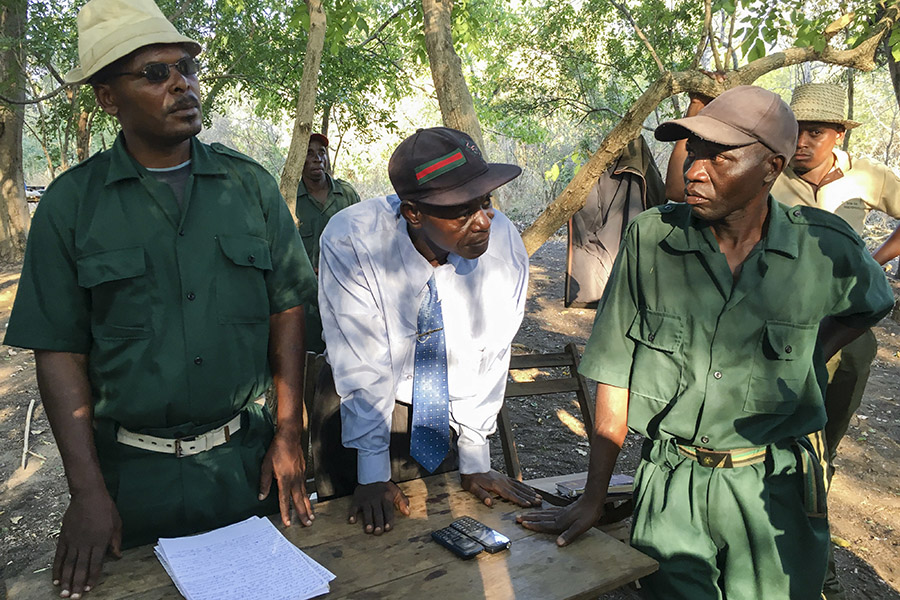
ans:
(444, 167)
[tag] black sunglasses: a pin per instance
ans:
(159, 72)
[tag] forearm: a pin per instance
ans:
(833, 336)
(675, 169)
(889, 250)
(675, 172)
(286, 358)
(66, 394)
(610, 429)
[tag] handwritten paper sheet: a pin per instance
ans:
(248, 560)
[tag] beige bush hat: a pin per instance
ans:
(821, 102)
(111, 29)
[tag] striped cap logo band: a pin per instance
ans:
(431, 169)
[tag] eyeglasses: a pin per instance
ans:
(159, 72)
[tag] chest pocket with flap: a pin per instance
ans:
(118, 284)
(781, 364)
(241, 295)
(657, 364)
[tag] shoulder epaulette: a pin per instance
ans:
(816, 217)
(222, 149)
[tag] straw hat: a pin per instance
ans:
(821, 102)
(111, 29)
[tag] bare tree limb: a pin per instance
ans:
(712, 37)
(729, 47)
(46, 96)
(572, 197)
(179, 11)
(704, 39)
(625, 13)
(387, 22)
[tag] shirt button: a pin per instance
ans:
(191, 296)
(797, 213)
(181, 233)
(651, 337)
(788, 349)
(718, 374)
(704, 440)
(198, 360)
(251, 259)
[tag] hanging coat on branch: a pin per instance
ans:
(632, 184)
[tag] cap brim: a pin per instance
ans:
(496, 175)
(704, 127)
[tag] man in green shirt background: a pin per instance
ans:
(319, 197)
(711, 341)
(162, 293)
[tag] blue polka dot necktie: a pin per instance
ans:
(430, 439)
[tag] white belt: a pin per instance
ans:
(186, 446)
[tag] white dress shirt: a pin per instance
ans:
(372, 281)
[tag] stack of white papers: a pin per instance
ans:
(247, 560)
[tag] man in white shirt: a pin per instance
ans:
(421, 294)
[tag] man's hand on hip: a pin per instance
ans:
(484, 485)
(90, 526)
(285, 461)
(376, 501)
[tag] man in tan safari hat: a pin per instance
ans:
(822, 175)
(161, 292)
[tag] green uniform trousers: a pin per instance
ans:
(740, 533)
(848, 372)
(160, 495)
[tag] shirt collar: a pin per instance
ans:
(694, 235)
(122, 166)
(332, 187)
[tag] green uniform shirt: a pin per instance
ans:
(171, 306)
(728, 365)
(312, 216)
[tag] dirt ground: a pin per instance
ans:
(864, 502)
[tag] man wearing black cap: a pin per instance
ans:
(319, 197)
(695, 347)
(421, 294)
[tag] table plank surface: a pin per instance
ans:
(405, 561)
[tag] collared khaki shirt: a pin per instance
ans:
(723, 364)
(171, 306)
(866, 185)
(313, 216)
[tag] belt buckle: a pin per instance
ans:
(711, 458)
(179, 453)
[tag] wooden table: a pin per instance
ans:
(405, 562)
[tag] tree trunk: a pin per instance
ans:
(846, 145)
(83, 134)
(457, 108)
(14, 214)
(571, 200)
(306, 106)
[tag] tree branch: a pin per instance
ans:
(46, 96)
(704, 39)
(625, 13)
(387, 22)
(571, 200)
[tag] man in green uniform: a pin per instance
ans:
(822, 175)
(319, 197)
(695, 348)
(162, 291)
